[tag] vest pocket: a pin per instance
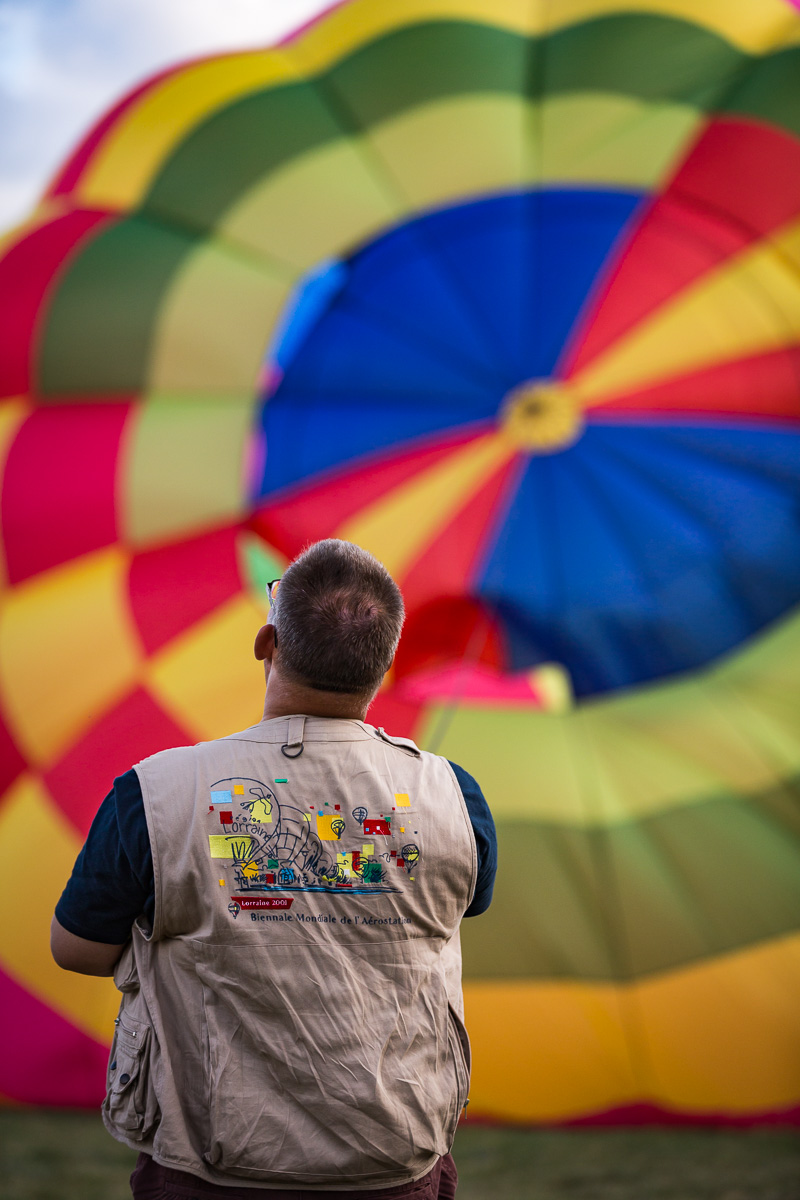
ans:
(460, 1050)
(130, 1104)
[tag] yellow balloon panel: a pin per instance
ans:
(40, 848)
(186, 464)
(668, 1041)
(316, 206)
(68, 650)
(236, 302)
(214, 703)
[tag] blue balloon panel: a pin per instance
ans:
(432, 324)
(647, 549)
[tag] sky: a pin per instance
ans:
(63, 63)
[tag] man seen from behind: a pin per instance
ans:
(280, 910)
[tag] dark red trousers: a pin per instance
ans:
(150, 1181)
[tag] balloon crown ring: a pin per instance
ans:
(541, 416)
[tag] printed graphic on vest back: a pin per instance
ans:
(274, 846)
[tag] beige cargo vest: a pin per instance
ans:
(295, 1017)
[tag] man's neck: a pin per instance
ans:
(285, 698)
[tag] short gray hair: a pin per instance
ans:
(338, 617)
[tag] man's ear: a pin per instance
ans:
(265, 643)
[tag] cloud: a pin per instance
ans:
(63, 63)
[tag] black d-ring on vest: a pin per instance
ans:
(293, 746)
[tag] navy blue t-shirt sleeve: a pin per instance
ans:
(485, 840)
(112, 881)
